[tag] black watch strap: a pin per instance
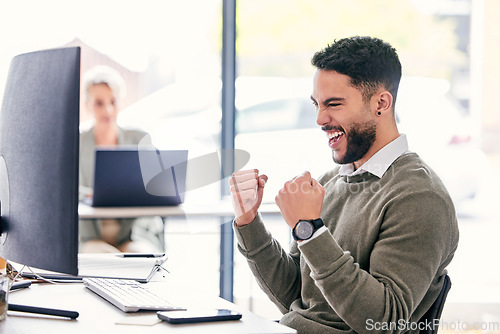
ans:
(317, 223)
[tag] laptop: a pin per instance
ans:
(139, 177)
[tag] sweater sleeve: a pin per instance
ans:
(277, 271)
(412, 248)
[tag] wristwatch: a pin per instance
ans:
(304, 229)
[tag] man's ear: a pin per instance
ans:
(383, 103)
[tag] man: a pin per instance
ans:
(372, 237)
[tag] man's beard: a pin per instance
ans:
(360, 138)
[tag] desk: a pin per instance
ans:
(217, 209)
(99, 316)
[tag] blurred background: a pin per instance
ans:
(169, 53)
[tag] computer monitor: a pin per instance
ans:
(39, 152)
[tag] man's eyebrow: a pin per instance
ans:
(331, 99)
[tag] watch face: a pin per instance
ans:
(304, 229)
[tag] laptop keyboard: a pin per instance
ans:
(128, 295)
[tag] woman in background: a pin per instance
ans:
(103, 88)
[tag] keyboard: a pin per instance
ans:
(128, 295)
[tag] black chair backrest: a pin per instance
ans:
(430, 320)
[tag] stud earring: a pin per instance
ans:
(379, 113)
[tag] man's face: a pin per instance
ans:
(347, 120)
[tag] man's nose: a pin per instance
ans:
(322, 116)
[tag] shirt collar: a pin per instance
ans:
(380, 161)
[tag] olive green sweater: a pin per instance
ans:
(382, 263)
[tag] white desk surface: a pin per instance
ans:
(99, 316)
(219, 209)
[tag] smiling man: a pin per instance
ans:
(372, 238)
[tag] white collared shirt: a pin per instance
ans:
(376, 165)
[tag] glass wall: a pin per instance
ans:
(168, 53)
(276, 42)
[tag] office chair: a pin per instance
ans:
(435, 311)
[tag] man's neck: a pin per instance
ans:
(377, 146)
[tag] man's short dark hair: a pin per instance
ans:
(368, 61)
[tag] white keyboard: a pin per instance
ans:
(128, 295)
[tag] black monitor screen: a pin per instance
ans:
(39, 137)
